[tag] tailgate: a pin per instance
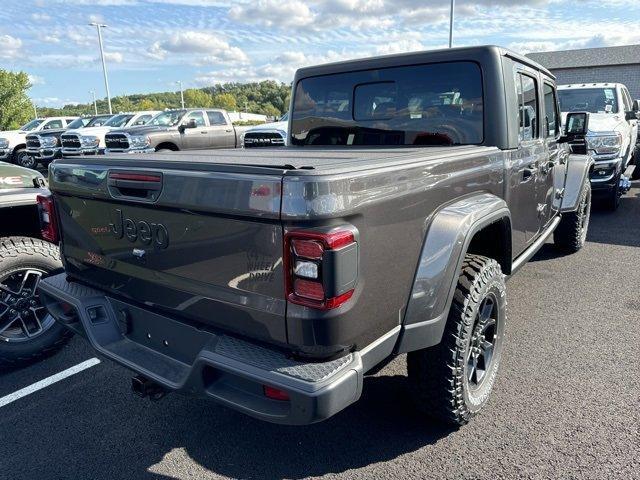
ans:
(204, 245)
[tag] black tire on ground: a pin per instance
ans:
(451, 382)
(571, 233)
(22, 260)
(635, 175)
(24, 160)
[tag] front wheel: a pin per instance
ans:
(25, 160)
(571, 233)
(452, 381)
(27, 331)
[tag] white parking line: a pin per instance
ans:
(23, 392)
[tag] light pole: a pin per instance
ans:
(451, 23)
(179, 82)
(100, 26)
(35, 110)
(95, 104)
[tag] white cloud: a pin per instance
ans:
(115, 57)
(36, 80)
(40, 17)
(52, 38)
(281, 13)
(207, 48)
(10, 47)
(54, 101)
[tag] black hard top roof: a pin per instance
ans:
(477, 53)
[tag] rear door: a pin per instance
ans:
(221, 133)
(192, 244)
(526, 159)
(195, 138)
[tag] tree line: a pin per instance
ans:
(268, 97)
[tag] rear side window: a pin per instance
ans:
(527, 90)
(216, 118)
(433, 104)
(550, 110)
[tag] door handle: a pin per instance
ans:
(204, 133)
(529, 171)
(228, 131)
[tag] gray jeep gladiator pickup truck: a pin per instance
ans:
(272, 280)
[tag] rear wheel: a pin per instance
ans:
(571, 233)
(27, 331)
(452, 381)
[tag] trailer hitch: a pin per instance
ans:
(143, 387)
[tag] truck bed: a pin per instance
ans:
(308, 160)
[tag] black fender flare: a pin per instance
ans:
(449, 233)
(578, 168)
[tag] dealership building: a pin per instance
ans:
(588, 65)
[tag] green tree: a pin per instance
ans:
(146, 104)
(15, 107)
(225, 101)
(194, 98)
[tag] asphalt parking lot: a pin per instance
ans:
(566, 403)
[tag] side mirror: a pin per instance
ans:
(576, 127)
(190, 124)
(577, 123)
(636, 106)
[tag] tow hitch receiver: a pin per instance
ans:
(143, 387)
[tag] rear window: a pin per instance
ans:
(433, 104)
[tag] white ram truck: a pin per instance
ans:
(13, 143)
(612, 133)
(267, 135)
(90, 140)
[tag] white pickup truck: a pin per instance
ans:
(612, 132)
(13, 143)
(90, 140)
(268, 135)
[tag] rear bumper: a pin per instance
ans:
(231, 371)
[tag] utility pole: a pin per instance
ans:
(35, 110)
(451, 23)
(100, 26)
(95, 104)
(179, 82)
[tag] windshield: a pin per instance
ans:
(436, 104)
(118, 121)
(32, 125)
(169, 118)
(593, 100)
(78, 123)
(98, 121)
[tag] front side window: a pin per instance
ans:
(527, 90)
(98, 121)
(550, 110)
(142, 119)
(53, 124)
(432, 104)
(198, 117)
(593, 100)
(78, 123)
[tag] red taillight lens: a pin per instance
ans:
(275, 393)
(314, 261)
(48, 222)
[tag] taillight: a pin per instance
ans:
(275, 393)
(321, 267)
(48, 222)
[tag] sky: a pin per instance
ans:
(151, 44)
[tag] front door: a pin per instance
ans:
(221, 133)
(195, 138)
(551, 172)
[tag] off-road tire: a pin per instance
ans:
(438, 376)
(17, 253)
(571, 234)
(635, 175)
